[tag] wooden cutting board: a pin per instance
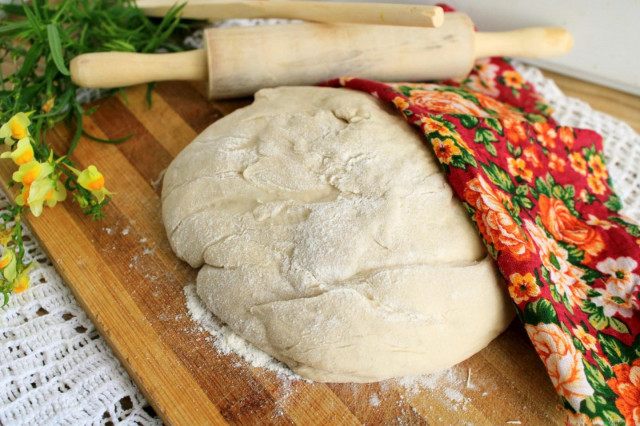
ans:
(124, 274)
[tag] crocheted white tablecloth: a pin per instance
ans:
(56, 369)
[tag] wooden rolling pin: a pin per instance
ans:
(239, 61)
(315, 11)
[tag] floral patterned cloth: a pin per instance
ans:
(541, 197)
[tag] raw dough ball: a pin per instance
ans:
(329, 238)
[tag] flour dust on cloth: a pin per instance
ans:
(328, 237)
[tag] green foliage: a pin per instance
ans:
(47, 35)
(499, 177)
(540, 311)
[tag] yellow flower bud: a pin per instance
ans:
(48, 105)
(16, 128)
(22, 283)
(22, 154)
(92, 180)
(8, 264)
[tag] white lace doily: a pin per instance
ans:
(56, 369)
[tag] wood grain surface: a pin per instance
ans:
(123, 273)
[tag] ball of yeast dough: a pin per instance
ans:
(327, 236)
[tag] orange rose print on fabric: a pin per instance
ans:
(539, 194)
(566, 276)
(545, 134)
(523, 288)
(494, 221)
(531, 156)
(498, 108)
(563, 362)
(564, 226)
(514, 131)
(443, 101)
(556, 163)
(566, 136)
(627, 385)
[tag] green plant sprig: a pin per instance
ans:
(40, 40)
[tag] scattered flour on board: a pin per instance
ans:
(452, 382)
(226, 341)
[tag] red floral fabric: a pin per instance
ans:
(541, 197)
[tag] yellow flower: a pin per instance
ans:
(22, 154)
(400, 103)
(48, 105)
(16, 128)
(578, 163)
(21, 283)
(42, 191)
(513, 79)
(92, 180)
(29, 172)
(8, 264)
(518, 167)
(598, 167)
(522, 288)
(596, 184)
(587, 339)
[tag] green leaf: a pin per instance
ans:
(484, 136)
(56, 49)
(30, 60)
(523, 201)
(569, 192)
(405, 90)
(542, 187)
(612, 417)
(535, 118)
(616, 351)
(491, 149)
(618, 325)
(595, 378)
(495, 125)
(554, 261)
(522, 189)
(108, 141)
(567, 304)
(613, 203)
(468, 121)
(590, 275)
(589, 307)
(499, 177)
(598, 320)
(540, 311)
(590, 405)
(518, 152)
(604, 366)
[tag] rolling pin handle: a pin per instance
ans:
(535, 42)
(105, 70)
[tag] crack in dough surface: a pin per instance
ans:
(327, 236)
